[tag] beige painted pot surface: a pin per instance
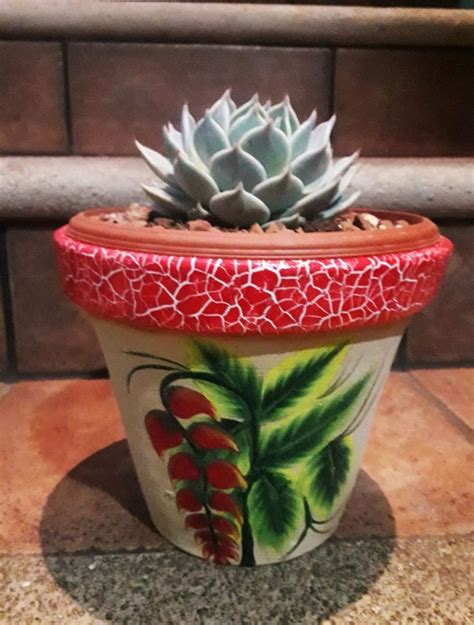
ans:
(247, 448)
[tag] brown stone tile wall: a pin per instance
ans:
(123, 91)
(3, 336)
(444, 331)
(31, 98)
(51, 334)
(404, 102)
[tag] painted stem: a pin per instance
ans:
(248, 558)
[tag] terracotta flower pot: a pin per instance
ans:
(247, 368)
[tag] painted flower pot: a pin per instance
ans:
(247, 368)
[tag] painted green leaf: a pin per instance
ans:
(275, 510)
(292, 439)
(240, 390)
(293, 385)
(240, 435)
(326, 473)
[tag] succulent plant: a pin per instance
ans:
(255, 163)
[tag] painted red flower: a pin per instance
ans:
(186, 403)
(182, 466)
(208, 437)
(224, 475)
(163, 430)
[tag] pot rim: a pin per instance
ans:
(420, 233)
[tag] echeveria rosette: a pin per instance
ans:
(256, 163)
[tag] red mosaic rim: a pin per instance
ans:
(238, 296)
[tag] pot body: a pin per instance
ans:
(253, 462)
(247, 383)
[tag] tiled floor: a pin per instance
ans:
(69, 492)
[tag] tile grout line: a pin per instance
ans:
(7, 309)
(67, 112)
(451, 417)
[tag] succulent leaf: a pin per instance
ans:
(173, 141)
(239, 208)
(254, 118)
(196, 182)
(188, 126)
(249, 164)
(244, 108)
(300, 139)
(279, 192)
(312, 165)
(310, 205)
(231, 166)
(344, 164)
(320, 136)
(221, 111)
(346, 179)
(198, 212)
(340, 205)
(158, 163)
(269, 146)
(284, 108)
(171, 206)
(209, 138)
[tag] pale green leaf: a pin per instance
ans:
(239, 208)
(300, 140)
(244, 108)
(158, 163)
(209, 138)
(169, 205)
(173, 140)
(284, 108)
(312, 165)
(269, 146)
(188, 126)
(313, 203)
(279, 192)
(233, 165)
(196, 182)
(221, 111)
(320, 136)
(254, 118)
(340, 205)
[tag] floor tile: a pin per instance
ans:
(454, 387)
(419, 460)
(48, 428)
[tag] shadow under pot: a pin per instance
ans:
(247, 367)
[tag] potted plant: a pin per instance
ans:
(248, 319)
